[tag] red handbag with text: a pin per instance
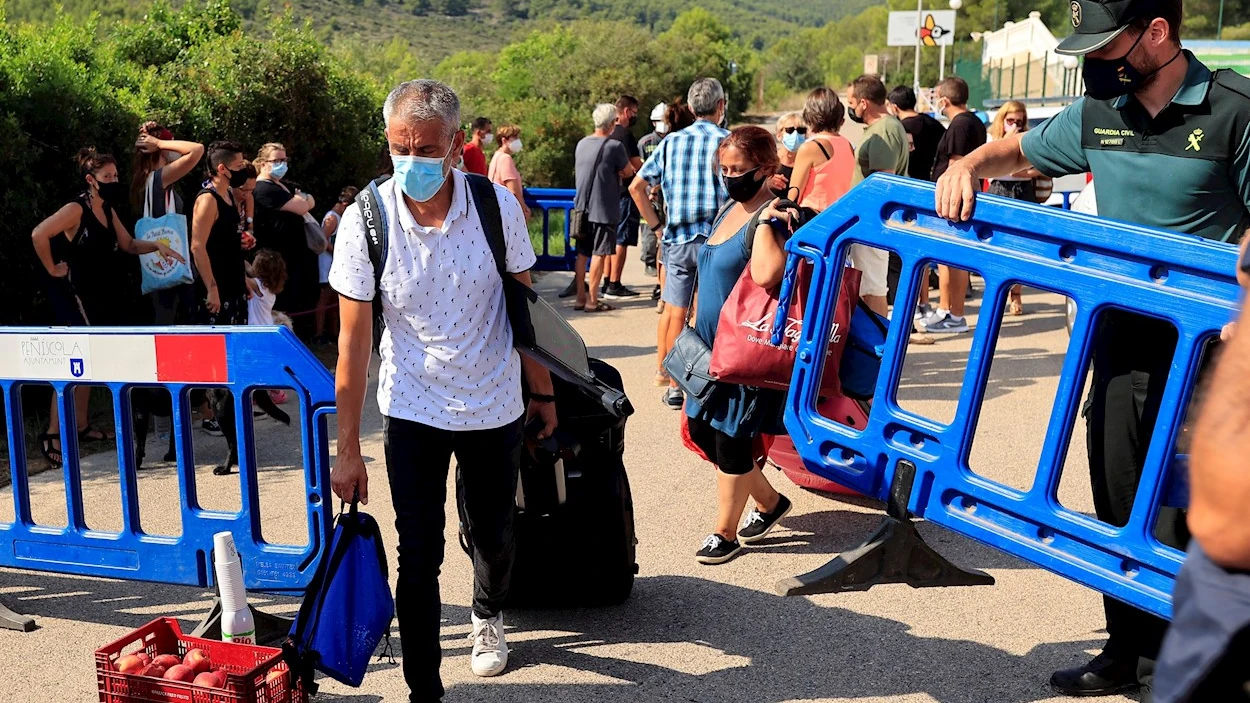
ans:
(743, 352)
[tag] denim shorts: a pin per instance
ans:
(680, 264)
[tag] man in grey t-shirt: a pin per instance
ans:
(600, 164)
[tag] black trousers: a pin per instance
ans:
(417, 460)
(1131, 361)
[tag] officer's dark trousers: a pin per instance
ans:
(417, 460)
(1131, 361)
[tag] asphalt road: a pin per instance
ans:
(689, 633)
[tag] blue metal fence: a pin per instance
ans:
(1103, 265)
(548, 200)
(240, 359)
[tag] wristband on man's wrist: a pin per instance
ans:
(542, 398)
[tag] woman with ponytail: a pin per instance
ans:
(76, 246)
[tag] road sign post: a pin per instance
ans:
(921, 29)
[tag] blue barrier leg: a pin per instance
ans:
(895, 553)
(10, 620)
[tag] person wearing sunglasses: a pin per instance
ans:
(791, 134)
(1012, 118)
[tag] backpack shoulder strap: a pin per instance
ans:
(373, 218)
(486, 202)
(753, 225)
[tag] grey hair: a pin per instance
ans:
(604, 116)
(703, 96)
(421, 101)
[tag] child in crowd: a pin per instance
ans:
(266, 279)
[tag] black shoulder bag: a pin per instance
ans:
(579, 223)
(689, 361)
(557, 346)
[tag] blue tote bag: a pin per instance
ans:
(171, 229)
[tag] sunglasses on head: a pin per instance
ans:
(792, 130)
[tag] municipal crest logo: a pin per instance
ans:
(76, 368)
(1076, 14)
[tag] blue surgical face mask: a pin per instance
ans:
(420, 177)
(278, 170)
(793, 140)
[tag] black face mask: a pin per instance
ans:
(1111, 78)
(112, 193)
(633, 121)
(855, 116)
(237, 178)
(745, 187)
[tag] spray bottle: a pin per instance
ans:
(237, 624)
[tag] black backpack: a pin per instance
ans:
(486, 202)
(537, 328)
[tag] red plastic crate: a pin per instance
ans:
(245, 665)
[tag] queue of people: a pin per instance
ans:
(451, 382)
(242, 211)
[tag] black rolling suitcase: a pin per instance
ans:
(575, 543)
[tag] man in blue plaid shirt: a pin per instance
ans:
(684, 166)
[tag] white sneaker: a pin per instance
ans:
(948, 325)
(933, 317)
(490, 651)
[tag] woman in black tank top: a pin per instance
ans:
(76, 247)
(216, 245)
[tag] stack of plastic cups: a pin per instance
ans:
(237, 624)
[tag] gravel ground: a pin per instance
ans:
(689, 633)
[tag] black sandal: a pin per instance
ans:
(49, 451)
(91, 434)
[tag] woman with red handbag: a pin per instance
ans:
(728, 425)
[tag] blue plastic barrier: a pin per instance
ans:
(1184, 280)
(547, 200)
(237, 358)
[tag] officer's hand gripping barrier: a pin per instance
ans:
(1183, 280)
(178, 358)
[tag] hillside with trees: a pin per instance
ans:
(313, 76)
(447, 26)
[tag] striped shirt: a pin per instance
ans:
(684, 166)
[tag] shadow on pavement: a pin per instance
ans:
(832, 531)
(678, 638)
(939, 375)
(620, 351)
(687, 639)
(111, 602)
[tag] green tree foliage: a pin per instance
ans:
(63, 87)
(435, 29)
(549, 82)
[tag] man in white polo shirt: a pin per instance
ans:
(450, 379)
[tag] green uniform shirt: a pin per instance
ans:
(1186, 170)
(883, 148)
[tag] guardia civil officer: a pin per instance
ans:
(1150, 109)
